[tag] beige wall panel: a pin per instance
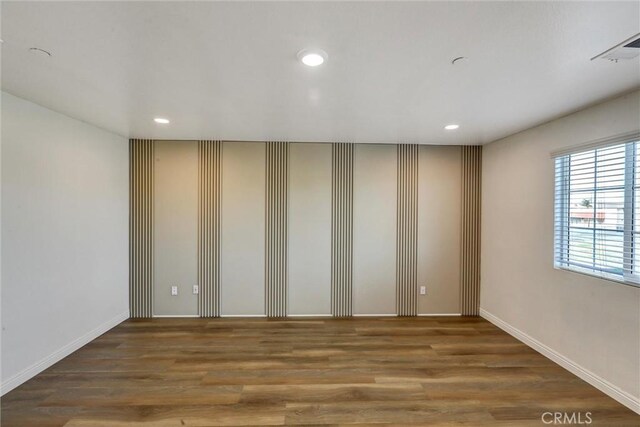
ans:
(243, 228)
(175, 227)
(374, 229)
(439, 197)
(310, 229)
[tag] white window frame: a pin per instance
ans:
(561, 210)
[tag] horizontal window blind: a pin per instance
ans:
(597, 221)
(598, 143)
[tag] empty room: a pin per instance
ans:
(253, 213)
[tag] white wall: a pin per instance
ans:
(65, 217)
(593, 323)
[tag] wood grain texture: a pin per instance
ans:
(470, 230)
(407, 231)
(209, 226)
(342, 229)
(141, 219)
(323, 371)
(276, 237)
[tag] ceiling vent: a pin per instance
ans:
(628, 49)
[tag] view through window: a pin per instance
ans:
(597, 223)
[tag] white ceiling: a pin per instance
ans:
(229, 70)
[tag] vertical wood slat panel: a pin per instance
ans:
(276, 230)
(470, 230)
(342, 229)
(209, 223)
(407, 231)
(141, 161)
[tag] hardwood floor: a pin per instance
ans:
(207, 372)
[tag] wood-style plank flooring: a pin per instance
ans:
(401, 371)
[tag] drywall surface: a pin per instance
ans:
(175, 227)
(310, 229)
(594, 323)
(439, 210)
(243, 228)
(242, 244)
(374, 229)
(65, 213)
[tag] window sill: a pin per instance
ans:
(586, 272)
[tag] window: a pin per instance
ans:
(597, 221)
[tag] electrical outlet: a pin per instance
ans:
(174, 290)
(196, 289)
(423, 290)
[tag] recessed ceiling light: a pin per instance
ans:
(312, 57)
(161, 120)
(451, 127)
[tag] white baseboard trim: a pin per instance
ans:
(330, 315)
(375, 315)
(243, 315)
(175, 315)
(60, 354)
(601, 384)
(309, 315)
(439, 314)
